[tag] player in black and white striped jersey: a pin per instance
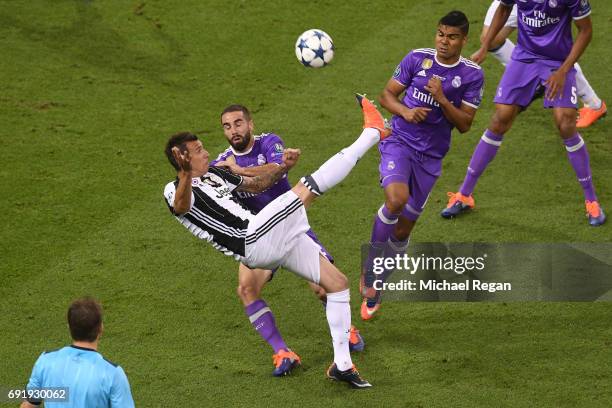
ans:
(201, 199)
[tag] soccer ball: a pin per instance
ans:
(314, 48)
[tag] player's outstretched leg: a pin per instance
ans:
(334, 170)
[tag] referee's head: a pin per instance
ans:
(85, 319)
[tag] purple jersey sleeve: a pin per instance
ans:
(273, 147)
(221, 157)
(579, 8)
(403, 72)
(473, 94)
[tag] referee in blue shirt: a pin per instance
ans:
(90, 380)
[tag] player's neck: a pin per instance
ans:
(86, 344)
(248, 147)
(447, 61)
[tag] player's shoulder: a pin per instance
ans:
(170, 187)
(268, 137)
(52, 351)
(223, 155)
(111, 363)
(470, 69)
(469, 64)
(221, 172)
(423, 51)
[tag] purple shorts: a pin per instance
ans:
(521, 80)
(399, 163)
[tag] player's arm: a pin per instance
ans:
(120, 393)
(264, 181)
(461, 117)
(555, 83)
(182, 198)
(33, 383)
(390, 100)
(248, 171)
(499, 20)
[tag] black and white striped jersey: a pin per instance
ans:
(216, 215)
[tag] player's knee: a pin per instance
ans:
(342, 281)
(247, 293)
(396, 203)
(500, 123)
(566, 124)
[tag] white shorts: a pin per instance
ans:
(491, 12)
(276, 236)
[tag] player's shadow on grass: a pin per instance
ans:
(91, 41)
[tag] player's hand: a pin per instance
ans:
(230, 164)
(434, 87)
(415, 115)
(290, 157)
(479, 56)
(554, 85)
(182, 159)
(233, 167)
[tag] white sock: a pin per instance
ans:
(334, 170)
(338, 313)
(504, 52)
(585, 91)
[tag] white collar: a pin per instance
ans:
(446, 65)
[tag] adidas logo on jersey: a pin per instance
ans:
(421, 73)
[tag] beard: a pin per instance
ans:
(241, 144)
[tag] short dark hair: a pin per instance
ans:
(456, 19)
(237, 108)
(178, 139)
(85, 319)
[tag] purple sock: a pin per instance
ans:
(483, 154)
(262, 319)
(579, 159)
(393, 248)
(384, 224)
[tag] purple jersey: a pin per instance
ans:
(545, 29)
(462, 82)
(267, 148)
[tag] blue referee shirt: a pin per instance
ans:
(92, 381)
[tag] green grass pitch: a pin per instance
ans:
(89, 93)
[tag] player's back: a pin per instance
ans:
(91, 380)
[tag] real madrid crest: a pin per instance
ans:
(261, 160)
(456, 81)
(427, 63)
